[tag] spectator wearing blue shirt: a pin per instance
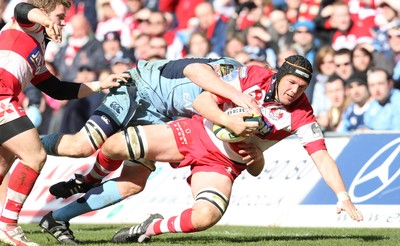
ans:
(383, 113)
(357, 91)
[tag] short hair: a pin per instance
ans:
(335, 77)
(50, 5)
(377, 69)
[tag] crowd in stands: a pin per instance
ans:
(354, 46)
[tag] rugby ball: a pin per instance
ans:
(224, 134)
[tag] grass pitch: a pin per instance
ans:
(234, 235)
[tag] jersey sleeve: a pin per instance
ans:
(306, 128)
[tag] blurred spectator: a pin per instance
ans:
(87, 8)
(285, 52)
(258, 41)
(335, 91)
(142, 25)
(292, 10)
(242, 57)
(110, 16)
(213, 26)
(342, 60)
(279, 29)
(3, 5)
(309, 9)
(120, 65)
(394, 41)
(361, 59)
(234, 45)
(159, 27)
(225, 7)
(141, 47)
(131, 21)
(248, 13)
(81, 109)
(348, 33)
(112, 47)
(81, 48)
(199, 46)
(158, 48)
(304, 39)
(182, 10)
(357, 91)
(383, 112)
(388, 17)
(325, 67)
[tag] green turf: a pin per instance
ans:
(234, 235)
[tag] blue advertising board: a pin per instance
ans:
(370, 167)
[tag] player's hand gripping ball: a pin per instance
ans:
(225, 134)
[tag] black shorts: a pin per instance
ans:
(15, 127)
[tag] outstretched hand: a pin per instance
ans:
(351, 210)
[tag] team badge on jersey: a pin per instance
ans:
(277, 115)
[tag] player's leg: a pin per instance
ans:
(211, 191)
(114, 113)
(24, 142)
(132, 181)
(135, 143)
(6, 160)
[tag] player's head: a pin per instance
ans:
(292, 79)
(56, 9)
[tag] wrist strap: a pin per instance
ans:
(343, 196)
(96, 86)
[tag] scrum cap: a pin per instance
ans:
(295, 65)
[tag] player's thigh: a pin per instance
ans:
(27, 147)
(161, 143)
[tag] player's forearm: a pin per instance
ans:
(329, 171)
(204, 76)
(207, 106)
(89, 88)
(28, 13)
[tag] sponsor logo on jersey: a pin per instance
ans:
(105, 119)
(116, 107)
(35, 59)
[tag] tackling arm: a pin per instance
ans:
(204, 76)
(207, 105)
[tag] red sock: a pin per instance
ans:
(102, 168)
(21, 182)
(175, 224)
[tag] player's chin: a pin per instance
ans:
(287, 100)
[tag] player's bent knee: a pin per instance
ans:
(212, 212)
(131, 188)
